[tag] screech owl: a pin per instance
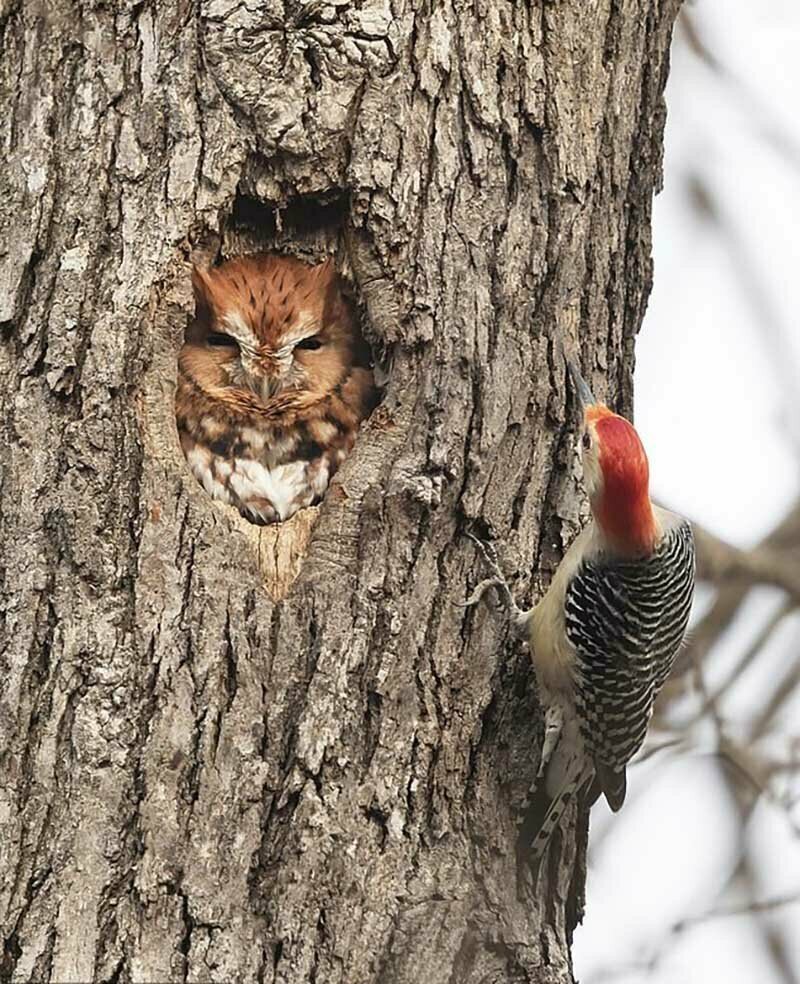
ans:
(273, 382)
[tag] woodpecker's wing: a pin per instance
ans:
(625, 620)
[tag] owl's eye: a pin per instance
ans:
(587, 441)
(218, 338)
(310, 344)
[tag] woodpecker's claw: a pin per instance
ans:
(480, 591)
(489, 554)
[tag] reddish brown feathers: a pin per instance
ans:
(273, 382)
(270, 293)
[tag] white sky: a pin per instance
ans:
(717, 378)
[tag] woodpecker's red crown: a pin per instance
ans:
(617, 476)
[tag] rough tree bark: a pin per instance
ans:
(199, 783)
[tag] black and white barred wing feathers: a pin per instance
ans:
(625, 621)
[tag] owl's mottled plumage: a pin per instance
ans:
(273, 382)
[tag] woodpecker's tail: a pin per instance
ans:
(550, 810)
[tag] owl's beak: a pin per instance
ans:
(270, 385)
(266, 374)
(262, 375)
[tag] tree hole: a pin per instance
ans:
(275, 375)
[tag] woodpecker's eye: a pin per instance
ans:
(218, 338)
(310, 344)
(587, 441)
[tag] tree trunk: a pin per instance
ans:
(201, 783)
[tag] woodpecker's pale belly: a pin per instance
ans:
(553, 664)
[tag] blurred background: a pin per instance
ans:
(698, 879)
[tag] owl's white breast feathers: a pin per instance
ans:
(266, 490)
(285, 486)
(211, 479)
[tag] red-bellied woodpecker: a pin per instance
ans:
(604, 637)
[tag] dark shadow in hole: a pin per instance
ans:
(299, 218)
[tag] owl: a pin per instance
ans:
(273, 382)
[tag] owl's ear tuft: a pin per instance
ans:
(337, 307)
(325, 272)
(203, 293)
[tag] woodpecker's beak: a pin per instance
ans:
(582, 390)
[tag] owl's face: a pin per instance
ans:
(271, 324)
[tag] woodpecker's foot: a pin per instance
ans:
(519, 618)
(480, 591)
(553, 724)
(519, 622)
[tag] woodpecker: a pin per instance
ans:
(605, 635)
